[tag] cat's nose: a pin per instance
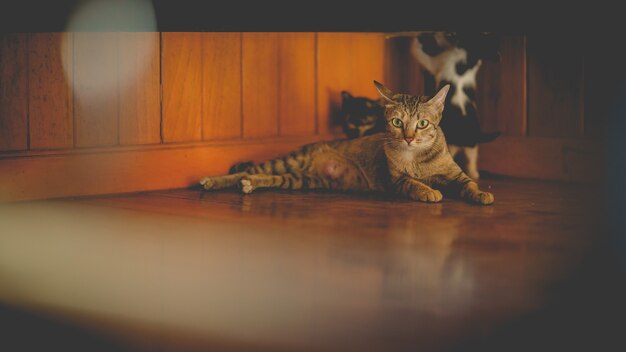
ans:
(408, 140)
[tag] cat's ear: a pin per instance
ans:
(439, 100)
(345, 95)
(385, 93)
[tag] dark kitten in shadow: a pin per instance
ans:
(454, 59)
(361, 116)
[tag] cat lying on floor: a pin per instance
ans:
(454, 59)
(410, 159)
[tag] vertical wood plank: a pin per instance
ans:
(51, 107)
(260, 85)
(501, 89)
(555, 87)
(297, 83)
(13, 92)
(347, 61)
(182, 86)
(222, 86)
(96, 91)
(403, 72)
(368, 62)
(140, 100)
(334, 75)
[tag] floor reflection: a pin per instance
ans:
(284, 271)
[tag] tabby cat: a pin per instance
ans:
(454, 59)
(410, 159)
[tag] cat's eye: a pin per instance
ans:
(396, 122)
(422, 123)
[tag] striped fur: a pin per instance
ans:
(412, 160)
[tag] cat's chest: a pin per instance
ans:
(409, 163)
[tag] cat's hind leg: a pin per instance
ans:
(291, 181)
(221, 182)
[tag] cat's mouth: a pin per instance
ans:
(416, 144)
(412, 141)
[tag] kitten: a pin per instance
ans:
(454, 60)
(361, 116)
(410, 159)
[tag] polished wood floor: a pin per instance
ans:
(279, 271)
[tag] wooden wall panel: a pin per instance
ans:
(140, 88)
(222, 86)
(368, 62)
(260, 82)
(333, 76)
(13, 92)
(555, 87)
(263, 88)
(403, 73)
(96, 94)
(51, 97)
(129, 169)
(347, 61)
(563, 159)
(297, 109)
(501, 89)
(182, 86)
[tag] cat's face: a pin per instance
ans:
(412, 121)
(361, 115)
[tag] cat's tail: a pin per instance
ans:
(487, 137)
(243, 166)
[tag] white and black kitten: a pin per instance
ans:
(455, 59)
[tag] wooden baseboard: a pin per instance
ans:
(576, 160)
(49, 174)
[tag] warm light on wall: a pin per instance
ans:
(107, 78)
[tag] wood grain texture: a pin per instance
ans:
(187, 270)
(221, 99)
(13, 92)
(501, 89)
(555, 87)
(260, 84)
(126, 169)
(96, 91)
(346, 61)
(182, 86)
(403, 73)
(51, 97)
(140, 88)
(297, 109)
(564, 159)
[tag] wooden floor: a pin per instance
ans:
(279, 271)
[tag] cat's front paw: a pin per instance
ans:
(246, 186)
(484, 198)
(207, 183)
(428, 196)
